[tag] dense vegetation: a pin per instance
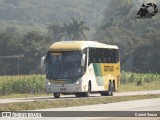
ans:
(42, 12)
(29, 27)
(35, 84)
(29, 84)
(138, 39)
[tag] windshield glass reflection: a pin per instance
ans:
(63, 65)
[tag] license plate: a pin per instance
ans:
(62, 89)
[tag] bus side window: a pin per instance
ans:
(103, 56)
(99, 55)
(92, 54)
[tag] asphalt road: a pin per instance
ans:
(10, 100)
(100, 111)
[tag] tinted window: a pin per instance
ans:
(101, 55)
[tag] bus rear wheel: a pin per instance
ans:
(56, 95)
(109, 92)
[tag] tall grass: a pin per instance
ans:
(128, 77)
(22, 84)
(32, 84)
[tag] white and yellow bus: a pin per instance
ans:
(82, 68)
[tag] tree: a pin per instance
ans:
(14, 2)
(55, 30)
(137, 38)
(77, 27)
(74, 30)
(35, 45)
(10, 47)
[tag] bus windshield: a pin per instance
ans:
(63, 65)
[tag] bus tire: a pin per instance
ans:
(78, 95)
(56, 95)
(114, 86)
(110, 90)
(102, 93)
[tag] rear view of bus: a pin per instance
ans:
(82, 68)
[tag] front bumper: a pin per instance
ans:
(68, 88)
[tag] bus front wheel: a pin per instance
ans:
(78, 95)
(109, 92)
(87, 94)
(56, 95)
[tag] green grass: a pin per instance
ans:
(128, 77)
(129, 82)
(128, 87)
(34, 85)
(26, 84)
(43, 104)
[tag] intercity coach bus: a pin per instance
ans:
(82, 68)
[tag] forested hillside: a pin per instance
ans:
(42, 12)
(25, 29)
(138, 39)
(29, 27)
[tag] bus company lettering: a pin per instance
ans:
(108, 68)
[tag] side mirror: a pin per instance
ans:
(43, 61)
(83, 60)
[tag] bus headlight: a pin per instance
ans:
(77, 83)
(49, 83)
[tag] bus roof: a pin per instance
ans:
(77, 45)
